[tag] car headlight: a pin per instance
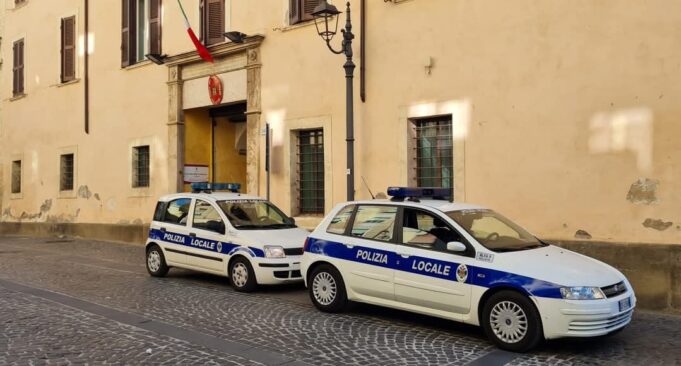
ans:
(582, 293)
(274, 251)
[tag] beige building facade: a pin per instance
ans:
(564, 116)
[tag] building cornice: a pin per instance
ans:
(217, 51)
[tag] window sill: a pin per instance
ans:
(308, 222)
(66, 83)
(17, 97)
(20, 5)
(139, 192)
(137, 65)
(16, 196)
(291, 27)
(67, 195)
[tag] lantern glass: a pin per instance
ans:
(323, 14)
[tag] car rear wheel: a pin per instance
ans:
(241, 275)
(156, 262)
(511, 321)
(327, 290)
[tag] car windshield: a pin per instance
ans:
(494, 231)
(254, 214)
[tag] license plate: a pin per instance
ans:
(625, 304)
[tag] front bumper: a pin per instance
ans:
(584, 318)
(270, 271)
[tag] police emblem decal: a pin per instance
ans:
(219, 247)
(461, 273)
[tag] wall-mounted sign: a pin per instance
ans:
(194, 173)
(215, 89)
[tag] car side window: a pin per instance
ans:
(423, 230)
(374, 222)
(206, 217)
(340, 221)
(176, 211)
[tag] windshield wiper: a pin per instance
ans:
(247, 226)
(268, 226)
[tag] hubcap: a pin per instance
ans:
(154, 261)
(324, 288)
(508, 322)
(239, 274)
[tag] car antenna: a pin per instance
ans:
(368, 189)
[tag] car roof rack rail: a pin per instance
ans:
(414, 194)
(205, 187)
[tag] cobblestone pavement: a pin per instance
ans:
(192, 318)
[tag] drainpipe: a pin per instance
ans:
(362, 51)
(86, 59)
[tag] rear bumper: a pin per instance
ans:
(586, 318)
(277, 271)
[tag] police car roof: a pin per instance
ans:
(442, 205)
(213, 196)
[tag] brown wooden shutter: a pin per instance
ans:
(308, 7)
(294, 14)
(15, 63)
(68, 49)
(128, 32)
(214, 15)
(155, 27)
(18, 68)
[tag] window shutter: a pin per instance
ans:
(155, 27)
(20, 67)
(308, 8)
(215, 21)
(68, 49)
(294, 12)
(128, 31)
(15, 67)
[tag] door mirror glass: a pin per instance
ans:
(456, 246)
(217, 226)
(291, 221)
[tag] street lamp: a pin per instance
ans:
(323, 15)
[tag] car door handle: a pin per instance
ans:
(193, 235)
(403, 255)
(163, 229)
(349, 246)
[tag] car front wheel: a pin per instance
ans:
(511, 321)
(241, 275)
(327, 290)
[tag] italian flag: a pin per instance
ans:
(200, 48)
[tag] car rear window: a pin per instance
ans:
(340, 221)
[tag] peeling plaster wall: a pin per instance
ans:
(566, 114)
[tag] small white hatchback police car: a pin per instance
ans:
(462, 262)
(243, 237)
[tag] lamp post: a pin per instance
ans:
(324, 14)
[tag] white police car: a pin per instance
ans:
(461, 262)
(243, 237)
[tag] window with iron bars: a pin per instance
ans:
(66, 172)
(311, 171)
(140, 166)
(16, 176)
(434, 153)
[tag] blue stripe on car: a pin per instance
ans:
(477, 276)
(214, 246)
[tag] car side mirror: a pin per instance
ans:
(217, 226)
(456, 246)
(292, 221)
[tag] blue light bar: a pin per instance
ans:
(202, 187)
(410, 192)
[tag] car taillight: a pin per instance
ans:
(306, 246)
